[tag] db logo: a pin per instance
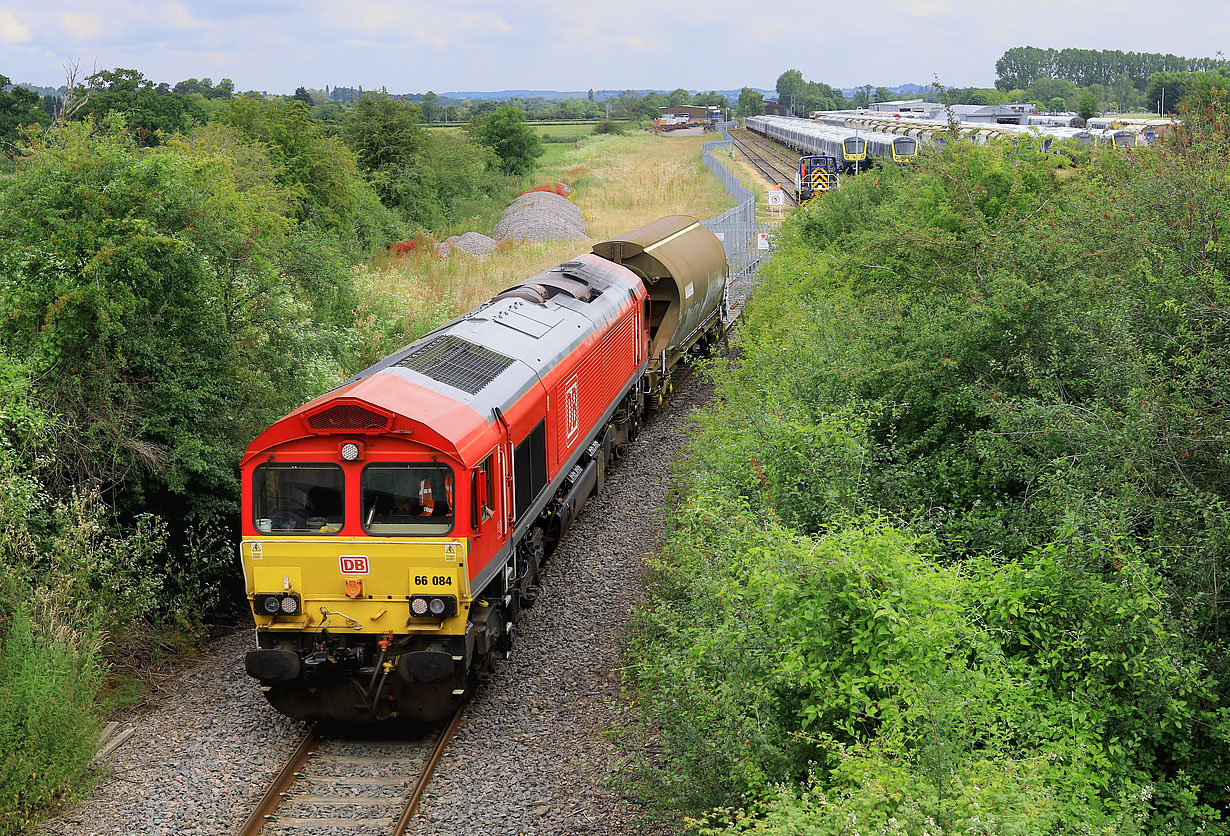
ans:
(354, 564)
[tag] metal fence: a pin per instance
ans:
(745, 240)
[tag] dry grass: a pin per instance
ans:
(620, 183)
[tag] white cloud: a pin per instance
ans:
(924, 8)
(80, 27)
(179, 18)
(12, 30)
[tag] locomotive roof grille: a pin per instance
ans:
(457, 363)
(347, 417)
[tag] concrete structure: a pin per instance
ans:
(990, 114)
(902, 106)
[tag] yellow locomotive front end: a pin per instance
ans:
(359, 629)
(356, 553)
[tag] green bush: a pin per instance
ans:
(50, 669)
(149, 280)
(1023, 372)
(919, 690)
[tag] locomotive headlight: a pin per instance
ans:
(351, 451)
(433, 606)
(270, 604)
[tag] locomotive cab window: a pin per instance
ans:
(298, 498)
(408, 499)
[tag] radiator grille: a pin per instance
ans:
(348, 417)
(457, 363)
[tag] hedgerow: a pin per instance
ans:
(948, 550)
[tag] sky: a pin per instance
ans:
(412, 46)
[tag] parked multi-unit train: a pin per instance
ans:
(394, 527)
(1119, 132)
(853, 149)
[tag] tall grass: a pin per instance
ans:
(50, 670)
(620, 183)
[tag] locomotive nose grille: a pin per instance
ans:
(457, 363)
(348, 417)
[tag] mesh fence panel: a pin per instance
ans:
(745, 240)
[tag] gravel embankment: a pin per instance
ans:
(530, 757)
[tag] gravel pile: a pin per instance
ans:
(542, 216)
(530, 756)
(469, 243)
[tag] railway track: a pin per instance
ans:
(783, 158)
(768, 162)
(368, 786)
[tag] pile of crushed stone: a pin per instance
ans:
(539, 217)
(469, 243)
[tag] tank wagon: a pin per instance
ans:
(394, 527)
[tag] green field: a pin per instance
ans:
(570, 131)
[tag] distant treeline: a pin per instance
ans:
(1021, 66)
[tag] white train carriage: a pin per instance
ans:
(852, 148)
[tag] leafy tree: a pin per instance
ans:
(423, 174)
(484, 107)
(789, 83)
(516, 145)
(751, 103)
(384, 132)
(430, 107)
(1020, 67)
(656, 101)
(630, 105)
(149, 116)
(302, 95)
(883, 94)
(142, 286)
(320, 171)
(862, 97)
(18, 107)
(710, 99)
(1057, 105)
(1087, 105)
(679, 96)
(981, 96)
(591, 94)
(1050, 88)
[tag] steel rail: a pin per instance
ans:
(273, 796)
(278, 790)
(412, 805)
(765, 145)
(774, 174)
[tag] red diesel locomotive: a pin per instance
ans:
(394, 527)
